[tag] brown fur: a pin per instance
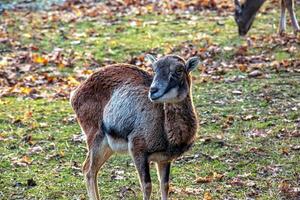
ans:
(92, 95)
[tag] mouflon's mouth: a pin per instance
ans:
(156, 95)
(243, 32)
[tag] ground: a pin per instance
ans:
(246, 92)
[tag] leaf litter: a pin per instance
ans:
(29, 71)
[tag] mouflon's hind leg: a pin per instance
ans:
(282, 22)
(98, 153)
(291, 8)
(163, 170)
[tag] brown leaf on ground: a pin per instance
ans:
(256, 133)
(237, 182)
(289, 191)
(207, 196)
(255, 73)
(207, 179)
(242, 51)
(23, 162)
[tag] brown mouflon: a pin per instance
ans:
(245, 14)
(122, 108)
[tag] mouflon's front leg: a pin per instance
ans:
(163, 170)
(142, 166)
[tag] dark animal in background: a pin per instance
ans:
(245, 14)
(122, 108)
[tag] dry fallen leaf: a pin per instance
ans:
(242, 67)
(237, 92)
(285, 150)
(72, 81)
(217, 176)
(255, 73)
(296, 147)
(39, 60)
(248, 117)
(256, 133)
(207, 196)
(35, 150)
(242, 51)
(25, 90)
(237, 182)
(23, 162)
(206, 179)
(288, 190)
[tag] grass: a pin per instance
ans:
(248, 138)
(231, 151)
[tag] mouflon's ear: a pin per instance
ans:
(151, 58)
(192, 63)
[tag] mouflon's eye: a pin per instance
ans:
(179, 70)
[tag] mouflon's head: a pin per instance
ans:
(171, 82)
(245, 14)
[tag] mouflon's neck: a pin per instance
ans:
(180, 121)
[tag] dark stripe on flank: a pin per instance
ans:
(113, 132)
